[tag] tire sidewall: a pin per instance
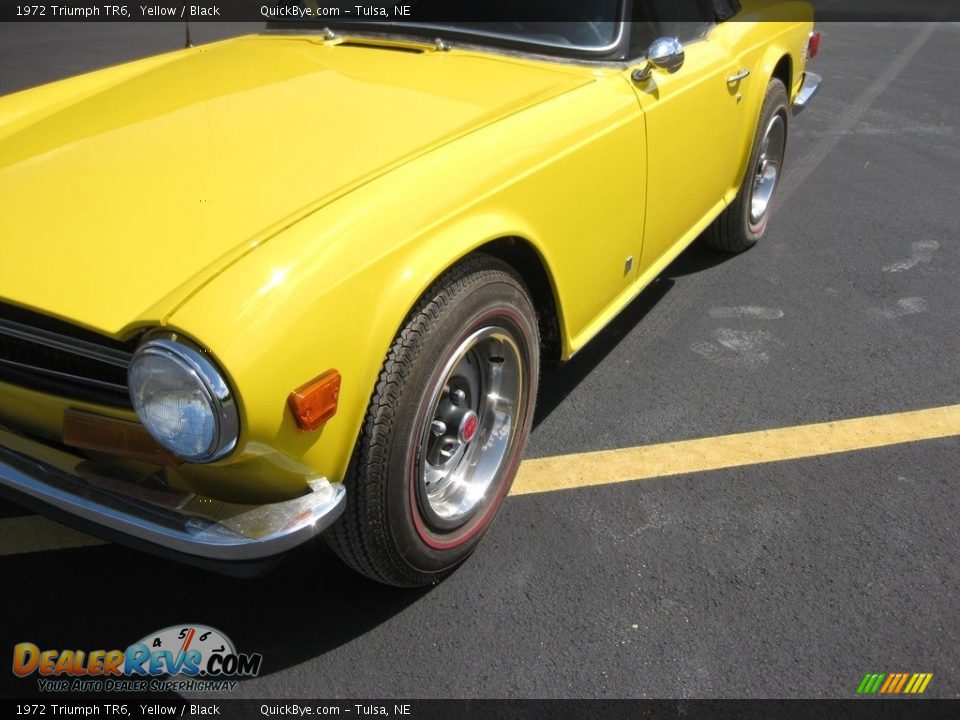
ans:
(504, 303)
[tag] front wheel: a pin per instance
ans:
(445, 429)
(744, 222)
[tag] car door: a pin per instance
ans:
(692, 115)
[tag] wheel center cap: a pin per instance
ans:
(468, 426)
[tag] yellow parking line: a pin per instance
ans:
(32, 533)
(565, 472)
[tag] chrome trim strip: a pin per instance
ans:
(240, 532)
(79, 379)
(810, 87)
(56, 341)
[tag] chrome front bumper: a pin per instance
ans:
(811, 84)
(159, 518)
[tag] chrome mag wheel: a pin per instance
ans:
(767, 171)
(474, 419)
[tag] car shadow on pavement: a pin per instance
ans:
(109, 597)
(557, 383)
(696, 258)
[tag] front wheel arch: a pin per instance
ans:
(524, 258)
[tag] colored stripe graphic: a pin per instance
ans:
(870, 683)
(891, 681)
(894, 683)
(900, 684)
(918, 683)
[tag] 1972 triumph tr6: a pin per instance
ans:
(304, 281)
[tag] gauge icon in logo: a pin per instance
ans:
(180, 650)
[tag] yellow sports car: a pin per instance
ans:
(304, 281)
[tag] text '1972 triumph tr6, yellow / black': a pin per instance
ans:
(304, 281)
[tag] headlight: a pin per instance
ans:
(183, 400)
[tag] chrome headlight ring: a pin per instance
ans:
(183, 400)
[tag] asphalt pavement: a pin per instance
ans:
(784, 579)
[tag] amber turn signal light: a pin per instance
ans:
(316, 402)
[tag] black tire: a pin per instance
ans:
(394, 530)
(736, 229)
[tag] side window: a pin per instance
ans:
(688, 20)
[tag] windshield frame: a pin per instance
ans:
(429, 32)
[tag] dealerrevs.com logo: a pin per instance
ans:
(180, 658)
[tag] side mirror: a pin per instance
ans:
(665, 53)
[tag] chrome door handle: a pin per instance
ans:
(738, 77)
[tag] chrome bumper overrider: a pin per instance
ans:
(811, 84)
(167, 519)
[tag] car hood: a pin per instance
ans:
(121, 192)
